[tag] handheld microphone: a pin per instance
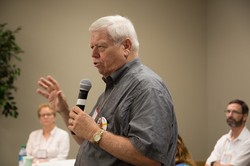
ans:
(85, 86)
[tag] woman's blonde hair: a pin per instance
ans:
(182, 153)
(45, 105)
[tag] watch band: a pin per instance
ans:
(98, 136)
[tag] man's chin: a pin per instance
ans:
(231, 123)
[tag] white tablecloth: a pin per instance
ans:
(69, 162)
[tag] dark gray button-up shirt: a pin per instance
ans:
(137, 105)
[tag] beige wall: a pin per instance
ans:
(228, 57)
(200, 48)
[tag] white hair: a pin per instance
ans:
(118, 28)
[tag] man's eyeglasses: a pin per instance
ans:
(234, 112)
(47, 115)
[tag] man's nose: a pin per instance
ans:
(95, 52)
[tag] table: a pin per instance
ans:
(68, 162)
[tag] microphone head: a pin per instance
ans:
(85, 84)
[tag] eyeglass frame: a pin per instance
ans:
(46, 114)
(234, 112)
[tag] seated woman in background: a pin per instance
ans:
(50, 142)
(183, 157)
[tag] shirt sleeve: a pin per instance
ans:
(242, 157)
(152, 123)
(28, 145)
(32, 143)
(217, 151)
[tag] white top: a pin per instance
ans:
(236, 152)
(56, 147)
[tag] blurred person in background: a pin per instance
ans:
(183, 157)
(50, 142)
(233, 148)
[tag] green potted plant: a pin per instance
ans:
(9, 52)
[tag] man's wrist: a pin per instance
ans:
(98, 136)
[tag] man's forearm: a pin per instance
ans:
(122, 148)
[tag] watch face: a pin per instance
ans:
(97, 138)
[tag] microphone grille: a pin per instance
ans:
(85, 84)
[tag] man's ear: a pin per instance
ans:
(127, 46)
(245, 117)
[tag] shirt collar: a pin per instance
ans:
(53, 131)
(242, 135)
(115, 76)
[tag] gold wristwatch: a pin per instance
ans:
(98, 136)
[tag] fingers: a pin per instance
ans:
(74, 112)
(71, 125)
(43, 83)
(53, 82)
(71, 122)
(43, 93)
(81, 124)
(49, 84)
(74, 116)
(49, 88)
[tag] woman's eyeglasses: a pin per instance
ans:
(46, 115)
